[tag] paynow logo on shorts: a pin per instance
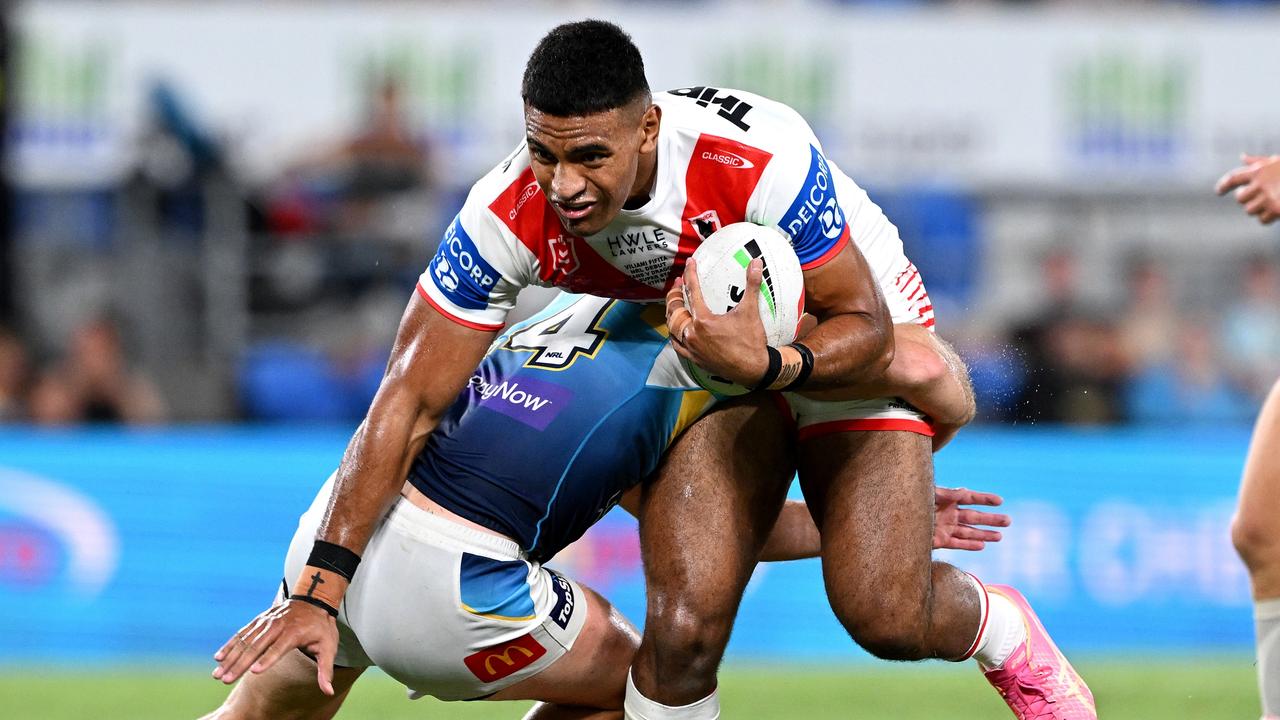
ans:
(499, 661)
(532, 402)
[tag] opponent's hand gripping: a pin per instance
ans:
(284, 627)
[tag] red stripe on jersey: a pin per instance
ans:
(829, 255)
(564, 260)
(465, 323)
(718, 184)
(918, 427)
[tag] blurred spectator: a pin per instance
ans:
(1149, 320)
(14, 370)
(1073, 360)
(1251, 328)
(1191, 388)
(95, 384)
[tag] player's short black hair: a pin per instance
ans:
(583, 67)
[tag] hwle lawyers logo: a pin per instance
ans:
(78, 527)
(532, 402)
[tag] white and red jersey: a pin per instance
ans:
(723, 156)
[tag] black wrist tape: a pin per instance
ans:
(806, 365)
(334, 558)
(333, 611)
(771, 373)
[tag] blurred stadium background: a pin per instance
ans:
(212, 215)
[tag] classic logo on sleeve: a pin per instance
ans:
(814, 221)
(460, 272)
(494, 663)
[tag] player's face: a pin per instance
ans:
(589, 166)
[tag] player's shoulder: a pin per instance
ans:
(737, 115)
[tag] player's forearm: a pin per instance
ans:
(368, 481)
(794, 535)
(849, 349)
(926, 372)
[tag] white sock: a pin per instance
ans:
(1002, 629)
(639, 707)
(1266, 617)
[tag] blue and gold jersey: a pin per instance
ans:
(568, 411)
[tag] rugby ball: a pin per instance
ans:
(722, 261)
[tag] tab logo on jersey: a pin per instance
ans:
(494, 663)
(814, 221)
(529, 401)
(563, 609)
(460, 272)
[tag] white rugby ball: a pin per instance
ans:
(722, 261)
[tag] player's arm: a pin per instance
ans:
(431, 361)
(851, 344)
(927, 373)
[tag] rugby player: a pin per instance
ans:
(1253, 530)
(532, 452)
(609, 194)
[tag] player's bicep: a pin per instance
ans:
(843, 285)
(431, 361)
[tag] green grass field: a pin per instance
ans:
(1139, 690)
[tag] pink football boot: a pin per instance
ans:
(1036, 681)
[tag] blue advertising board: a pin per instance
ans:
(128, 545)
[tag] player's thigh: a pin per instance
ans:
(707, 511)
(871, 495)
(593, 673)
(286, 691)
(1254, 529)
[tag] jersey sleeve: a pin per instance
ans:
(798, 194)
(477, 271)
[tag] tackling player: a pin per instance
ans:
(452, 598)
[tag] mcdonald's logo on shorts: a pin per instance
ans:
(499, 661)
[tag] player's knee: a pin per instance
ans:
(687, 643)
(1256, 541)
(889, 631)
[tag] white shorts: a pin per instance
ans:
(448, 610)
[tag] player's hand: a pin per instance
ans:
(954, 527)
(1257, 186)
(286, 626)
(731, 345)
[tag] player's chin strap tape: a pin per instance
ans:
(333, 611)
(334, 558)
(771, 373)
(806, 365)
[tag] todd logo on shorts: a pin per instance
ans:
(494, 663)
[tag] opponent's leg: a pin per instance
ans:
(703, 521)
(588, 681)
(871, 495)
(286, 691)
(1253, 530)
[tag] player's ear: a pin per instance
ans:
(649, 123)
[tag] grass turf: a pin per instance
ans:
(1206, 689)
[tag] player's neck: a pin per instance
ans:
(646, 177)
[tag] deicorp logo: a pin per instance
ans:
(48, 522)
